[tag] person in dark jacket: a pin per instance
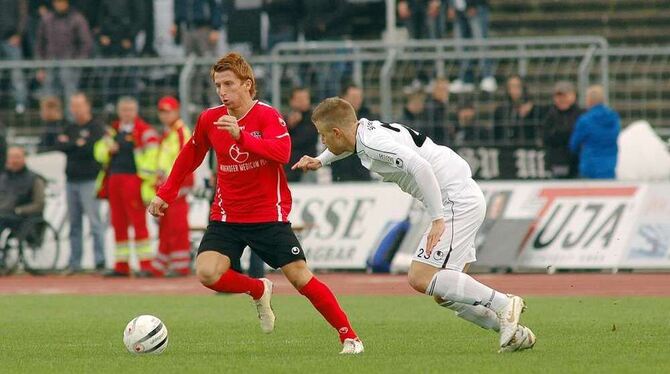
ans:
(282, 15)
(81, 170)
(119, 23)
(595, 137)
(304, 136)
(327, 20)
(558, 126)
(424, 19)
(51, 115)
(13, 24)
(21, 191)
(3, 144)
(517, 120)
(62, 35)
(198, 23)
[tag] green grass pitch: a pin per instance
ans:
(83, 334)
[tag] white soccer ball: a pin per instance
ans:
(145, 334)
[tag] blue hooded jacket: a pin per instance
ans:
(595, 140)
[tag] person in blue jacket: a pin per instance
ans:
(594, 138)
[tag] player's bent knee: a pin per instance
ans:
(207, 275)
(209, 267)
(297, 273)
(417, 282)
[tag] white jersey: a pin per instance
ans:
(431, 173)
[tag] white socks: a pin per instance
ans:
(477, 314)
(461, 288)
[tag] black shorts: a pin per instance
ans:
(274, 242)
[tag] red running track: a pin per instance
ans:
(351, 284)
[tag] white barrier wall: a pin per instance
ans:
(342, 223)
(530, 225)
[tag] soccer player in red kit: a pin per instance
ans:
(252, 200)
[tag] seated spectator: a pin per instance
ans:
(436, 113)
(51, 114)
(21, 191)
(13, 24)
(354, 95)
(414, 112)
(304, 136)
(517, 119)
(350, 169)
(62, 35)
(595, 137)
(557, 128)
(468, 132)
(3, 144)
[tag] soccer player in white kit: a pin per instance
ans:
(442, 181)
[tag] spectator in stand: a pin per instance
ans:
(424, 19)
(36, 10)
(62, 35)
(149, 48)
(558, 127)
(354, 95)
(13, 24)
(472, 22)
(327, 20)
(81, 171)
(516, 121)
(88, 9)
(304, 136)
(414, 112)
(129, 154)
(51, 114)
(283, 18)
(595, 137)
(468, 132)
(197, 25)
(350, 169)
(3, 144)
(437, 125)
(21, 191)
(119, 23)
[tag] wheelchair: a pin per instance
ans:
(34, 244)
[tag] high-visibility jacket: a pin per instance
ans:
(145, 153)
(171, 143)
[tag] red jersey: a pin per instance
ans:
(250, 185)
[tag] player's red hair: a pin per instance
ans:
(234, 62)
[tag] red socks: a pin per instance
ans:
(325, 302)
(234, 282)
(122, 267)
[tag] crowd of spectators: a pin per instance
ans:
(66, 29)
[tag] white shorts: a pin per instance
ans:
(463, 215)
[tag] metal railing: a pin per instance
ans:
(636, 78)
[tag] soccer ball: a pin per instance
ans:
(145, 334)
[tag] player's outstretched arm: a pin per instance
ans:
(190, 157)
(307, 163)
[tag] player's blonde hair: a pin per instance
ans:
(334, 112)
(234, 62)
